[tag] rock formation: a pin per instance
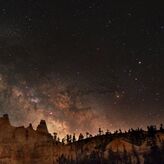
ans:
(20, 145)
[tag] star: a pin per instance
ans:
(139, 62)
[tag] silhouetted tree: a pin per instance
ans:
(58, 139)
(87, 135)
(107, 132)
(161, 128)
(63, 141)
(74, 137)
(151, 131)
(55, 136)
(68, 138)
(100, 132)
(81, 137)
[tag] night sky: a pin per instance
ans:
(82, 64)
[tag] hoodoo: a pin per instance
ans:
(20, 145)
(42, 127)
(4, 120)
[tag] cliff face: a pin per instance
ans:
(20, 145)
(25, 145)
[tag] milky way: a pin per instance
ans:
(67, 107)
(61, 105)
(50, 101)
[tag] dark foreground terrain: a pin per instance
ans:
(20, 145)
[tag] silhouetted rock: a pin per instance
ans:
(30, 126)
(4, 120)
(42, 127)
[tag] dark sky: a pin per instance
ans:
(99, 59)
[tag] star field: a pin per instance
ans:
(102, 59)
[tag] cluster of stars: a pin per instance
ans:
(101, 44)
